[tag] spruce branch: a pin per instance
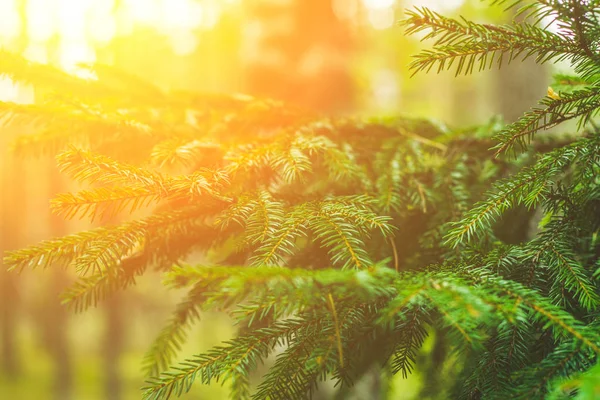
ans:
(85, 166)
(413, 334)
(472, 44)
(582, 104)
(60, 124)
(563, 361)
(102, 248)
(19, 69)
(106, 202)
(528, 187)
(331, 197)
(90, 290)
(242, 353)
(183, 151)
(564, 324)
(168, 343)
(282, 243)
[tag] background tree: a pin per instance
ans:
(304, 53)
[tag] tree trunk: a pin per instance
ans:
(10, 230)
(9, 361)
(58, 321)
(113, 346)
(519, 85)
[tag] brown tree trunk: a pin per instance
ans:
(11, 198)
(58, 320)
(9, 360)
(519, 86)
(113, 347)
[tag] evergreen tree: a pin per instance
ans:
(338, 244)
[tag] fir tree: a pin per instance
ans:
(345, 242)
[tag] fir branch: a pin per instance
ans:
(102, 248)
(337, 329)
(259, 213)
(582, 104)
(58, 125)
(84, 166)
(342, 239)
(563, 361)
(371, 183)
(292, 164)
(527, 187)
(412, 334)
(89, 291)
(19, 69)
(544, 311)
(471, 43)
(183, 151)
(292, 286)
(105, 202)
(55, 251)
(168, 343)
(572, 274)
(297, 369)
(282, 243)
(110, 201)
(244, 351)
(177, 238)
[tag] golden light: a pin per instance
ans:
(37, 52)
(143, 11)
(10, 24)
(71, 19)
(345, 9)
(40, 20)
(378, 4)
(72, 53)
(182, 14)
(380, 13)
(381, 18)
(8, 90)
(212, 13)
(102, 28)
(438, 5)
(69, 32)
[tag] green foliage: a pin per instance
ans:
(338, 244)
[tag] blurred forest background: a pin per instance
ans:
(336, 56)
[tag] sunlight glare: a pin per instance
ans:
(438, 5)
(10, 23)
(381, 18)
(73, 53)
(345, 9)
(184, 14)
(71, 18)
(378, 4)
(102, 28)
(68, 31)
(143, 11)
(8, 90)
(212, 13)
(37, 52)
(41, 24)
(16, 93)
(380, 13)
(183, 42)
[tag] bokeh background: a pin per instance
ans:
(336, 56)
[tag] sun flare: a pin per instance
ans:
(69, 32)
